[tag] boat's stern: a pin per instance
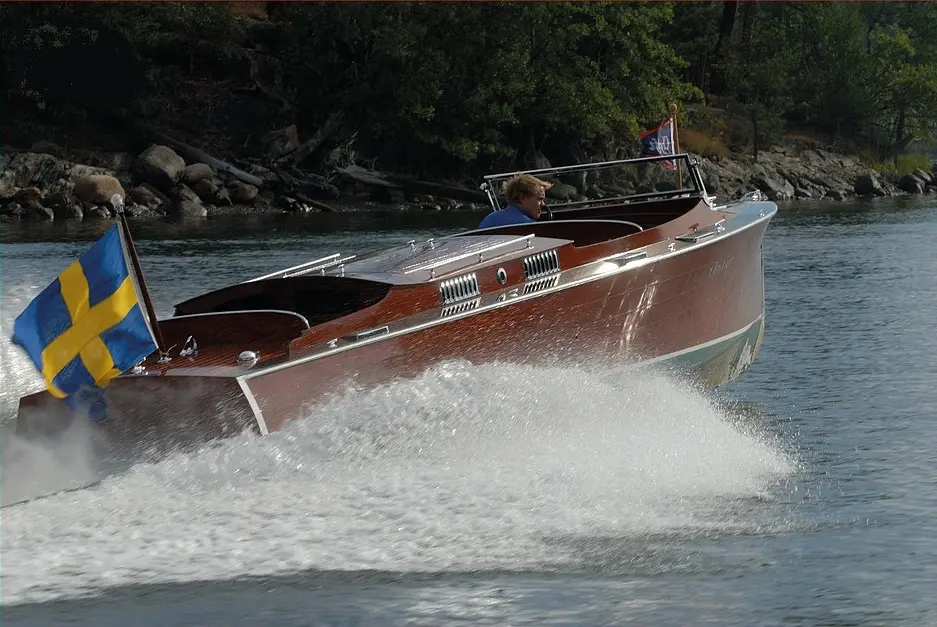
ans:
(143, 416)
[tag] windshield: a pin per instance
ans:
(585, 184)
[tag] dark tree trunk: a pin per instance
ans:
(755, 135)
(726, 26)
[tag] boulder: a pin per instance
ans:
(98, 188)
(187, 208)
(911, 184)
(80, 170)
(924, 176)
(64, 205)
(134, 210)
(30, 168)
(868, 185)
(110, 161)
(242, 193)
(159, 165)
(36, 211)
(774, 188)
(148, 197)
(61, 185)
(197, 172)
(27, 194)
(12, 210)
(69, 212)
(59, 199)
(98, 211)
(207, 190)
(835, 194)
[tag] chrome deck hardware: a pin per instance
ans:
(698, 236)
(458, 308)
(309, 265)
(541, 284)
(624, 259)
(369, 333)
(541, 264)
(433, 265)
(459, 288)
(190, 348)
(248, 357)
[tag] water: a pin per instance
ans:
(802, 494)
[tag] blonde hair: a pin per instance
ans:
(523, 185)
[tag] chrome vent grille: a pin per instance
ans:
(541, 284)
(541, 264)
(458, 308)
(459, 288)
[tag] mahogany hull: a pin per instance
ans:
(700, 314)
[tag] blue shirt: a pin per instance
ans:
(511, 214)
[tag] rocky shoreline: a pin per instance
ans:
(48, 182)
(797, 172)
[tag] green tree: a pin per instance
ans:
(468, 84)
(759, 74)
(905, 71)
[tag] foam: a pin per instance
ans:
(464, 468)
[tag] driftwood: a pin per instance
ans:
(313, 143)
(389, 181)
(193, 154)
(321, 206)
(292, 180)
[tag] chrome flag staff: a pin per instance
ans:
(88, 326)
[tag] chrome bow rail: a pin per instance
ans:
(317, 265)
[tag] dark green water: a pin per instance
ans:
(805, 493)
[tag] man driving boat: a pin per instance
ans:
(526, 196)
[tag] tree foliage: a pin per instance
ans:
(457, 87)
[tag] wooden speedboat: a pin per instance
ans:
(664, 278)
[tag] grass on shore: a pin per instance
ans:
(701, 143)
(903, 164)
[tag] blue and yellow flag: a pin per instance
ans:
(87, 327)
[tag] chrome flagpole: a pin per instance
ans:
(676, 142)
(117, 202)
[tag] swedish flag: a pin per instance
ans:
(87, 327)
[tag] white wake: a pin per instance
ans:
(466, 467)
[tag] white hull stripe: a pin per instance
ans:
(258, 415)
(703, 346)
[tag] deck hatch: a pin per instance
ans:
(541, 264)
(460, 288)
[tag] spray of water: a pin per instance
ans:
(32, 468)
(466, 467)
